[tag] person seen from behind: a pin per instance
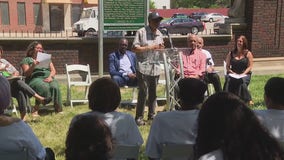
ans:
(88, 138)
(104, 98)
(229, 130)
(273, 116)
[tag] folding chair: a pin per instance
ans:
(73, 80)
(133, 99)
(14, 155)
(126, 152)
(177, 151)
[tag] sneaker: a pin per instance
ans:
(140, 122)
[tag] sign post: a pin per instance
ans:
(120, 15)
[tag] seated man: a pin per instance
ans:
(178, 126)
(122, 65)
(193, 59)
(273, 117)
(211, 76)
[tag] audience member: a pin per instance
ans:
(228, 129)
(104, 98)
(16, 135)
(210, 76)
(194, 60)
(122, 65)
(178, 126)
(146, 41)
(239, 63)
(273, 117)
(19, 89)
(88, 138)
(41, 78)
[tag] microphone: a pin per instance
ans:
(170, 39)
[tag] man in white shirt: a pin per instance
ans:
(211, 76)
(177, 126)
(273, 117)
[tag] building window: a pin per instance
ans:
(21, 13)
(75, 13)
(37, 14)
(4, 11)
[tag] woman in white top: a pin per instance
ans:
(229, 130)
(104, 98)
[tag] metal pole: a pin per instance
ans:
(100, 39)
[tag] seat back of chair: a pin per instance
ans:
(14, 155)
(126, 152)
(78, 69)
(177, 151)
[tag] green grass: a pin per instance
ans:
(51, 128)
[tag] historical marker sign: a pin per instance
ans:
(124, 14)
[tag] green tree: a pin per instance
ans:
(200, 3)
(152, 5)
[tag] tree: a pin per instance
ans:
(200, 3)
(152, 4)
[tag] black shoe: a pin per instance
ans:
(47, 100)
(151, 117)
(140, 122)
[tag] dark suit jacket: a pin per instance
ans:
(114, 64)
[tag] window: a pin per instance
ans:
(21, 13)
(75, 13)
(37, 14)
(4, 11)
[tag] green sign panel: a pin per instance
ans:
(124, 14)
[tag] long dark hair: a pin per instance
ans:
(31, 48)
(88, 138)
(226, 123)
(245, 45)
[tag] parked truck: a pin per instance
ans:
(88, 23)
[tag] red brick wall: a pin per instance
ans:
(266, 27)
(14, 27)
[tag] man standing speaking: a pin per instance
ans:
(146, 41)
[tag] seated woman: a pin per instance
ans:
(228, 129)
(89, 138)
(104, 98)
(20, 90)
(40, 77)
(239, 63)
(16, 135)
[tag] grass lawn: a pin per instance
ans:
(51, 128)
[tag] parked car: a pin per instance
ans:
(221, 28)
(181, 26)
(179, 15)
(213, 17)
(197, 15)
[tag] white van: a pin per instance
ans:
(88, 23)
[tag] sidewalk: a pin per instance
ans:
(261, 66)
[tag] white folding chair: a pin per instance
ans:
(133, 99)
(14, 155)
(177, 151)
(126, 152)
(78, 76)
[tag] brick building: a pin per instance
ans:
(40, 15)
(263, 26)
